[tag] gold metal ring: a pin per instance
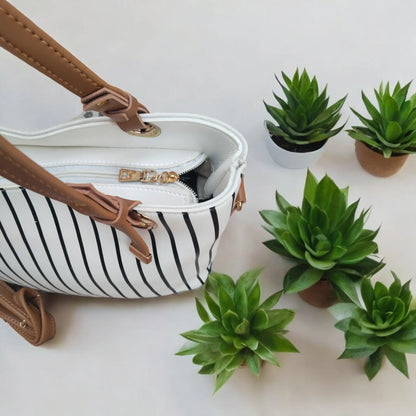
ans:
(23, 324)
(151, 131)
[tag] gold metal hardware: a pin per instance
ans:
(151, 131)
(23, 324)
(238, 205)
(147, 176)
(101, 103)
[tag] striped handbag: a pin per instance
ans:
(117, 203)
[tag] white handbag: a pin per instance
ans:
(185, 169)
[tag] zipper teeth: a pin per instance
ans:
(115, 176)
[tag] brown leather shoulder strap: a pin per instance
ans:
(20, 36)
(25, 312)
(111, 210)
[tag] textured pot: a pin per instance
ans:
(321, 294)
(291, 160)
(375, 163)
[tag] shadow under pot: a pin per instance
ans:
(375, 163)
(293, 156)
(321, 294)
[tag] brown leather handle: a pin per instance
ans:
(111, 210)
(20, 36)
(25, 312)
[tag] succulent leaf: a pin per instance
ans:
(305, 115)
(323, 236)
(391, 128)
(383, 325)
(236, 329)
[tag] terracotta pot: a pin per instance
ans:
(375, 163)
(321, 294)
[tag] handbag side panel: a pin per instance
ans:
(46, 245)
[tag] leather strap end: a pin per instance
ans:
(25, 312)
(144, 256)
(240, 198)
(124, 111)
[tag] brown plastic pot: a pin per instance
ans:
(375, 163)
(321, 294)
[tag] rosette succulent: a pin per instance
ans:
(304, 116)
(324, 237)
(238, 329)
(384, 326)
(390, 129)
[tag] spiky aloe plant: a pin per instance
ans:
(384, 326)
(304, 116)
(390, 129)
(237, 329)
(324, 237)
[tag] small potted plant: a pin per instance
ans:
(388, 136)
(327, 241)
(384, 326)
(304, 121)
(238, 329)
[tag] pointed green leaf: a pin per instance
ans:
(202, 312)
(301, 277)
(260, 320)
(279, 319)
(243, 328)
(373, 364)
(253, 363)
(212, 305)
(271, 301)
(398, 359)
(265, 354)
(222, 378)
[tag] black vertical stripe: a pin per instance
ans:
(120, 263)
(26, 283)
(156, 259)
(101, 254)
(174, 249)
(232, 202)
(139, 267)
(82, 249)
(63, 245)
(195, 243)
(3, 231)
(215, 222)
(8, 277)
(42, 238)
(24, 239)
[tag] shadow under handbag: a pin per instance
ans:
(117, 203)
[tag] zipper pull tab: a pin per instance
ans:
(147, 176)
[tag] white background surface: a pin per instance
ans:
(217, 58)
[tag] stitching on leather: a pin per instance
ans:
(34, 187)
(14, 306)
(36, 36)
(38, 64)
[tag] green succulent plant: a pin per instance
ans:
(237, 329)
(391, 129)
(304, 116)
(384, 326)
(324, 237)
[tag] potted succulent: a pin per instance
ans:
(304, 121)
(326, 239)
(388, 136)
(238, 329)
(384, 326)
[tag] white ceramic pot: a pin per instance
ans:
(291, 160)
